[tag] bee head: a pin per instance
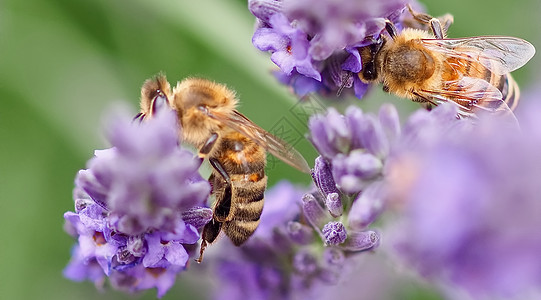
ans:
(154, 94)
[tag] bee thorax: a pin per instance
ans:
(407, 64)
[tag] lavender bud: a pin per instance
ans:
(367, 207)
(313, 211)
(372, 136)
(330, 134)
(359, 241)
(334, 205)
(333, 257)
(389, 120)
(352, 171)
(334, 233)
(329, 276)
(197, 216)
(299, 233)
(263, 9)
(323, 177)
(354, 115)
(86, 180)
(305, 263)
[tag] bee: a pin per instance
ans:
(235, 147)
(425, 66)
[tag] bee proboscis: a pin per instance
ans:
(427, 67)
(235, 147)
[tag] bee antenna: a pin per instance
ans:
(343, 84)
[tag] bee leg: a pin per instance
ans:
(427, 101)
(139, 117)
(218, 167)
(209, 144)
(391, 29)
(446, 21)
(222, 208)
(210, 233)
(438, 30)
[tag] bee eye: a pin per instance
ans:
(369, 71)
(159, 102)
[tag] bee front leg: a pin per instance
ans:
(209, 144)
(391, 29)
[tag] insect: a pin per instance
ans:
(427, 67)
(235, 147)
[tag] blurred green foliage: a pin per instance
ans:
(64, 62)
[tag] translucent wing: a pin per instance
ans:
(274, 145)
(500, 54)
(473, 96)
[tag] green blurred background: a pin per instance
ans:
(64, 62)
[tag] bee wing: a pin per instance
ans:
(274, 145)
(472, 95)
(499, 54)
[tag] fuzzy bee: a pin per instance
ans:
(425, 66)
(235, 147)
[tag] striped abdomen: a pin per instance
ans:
(238, 205)
(457, 67)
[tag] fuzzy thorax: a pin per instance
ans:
(194, 99)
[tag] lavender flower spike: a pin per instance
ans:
(137, 205)
(320, 39)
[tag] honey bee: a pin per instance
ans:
(425, 66)
(235, 147)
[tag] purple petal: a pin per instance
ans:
(176, 254)
(156, 250)
(283, 60)
(267, 39)
(360, 87)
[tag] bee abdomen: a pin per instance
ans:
(510, 92)
(239, 231)
(246, 210)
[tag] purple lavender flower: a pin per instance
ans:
(353, 149)
(470, 204)
(285, 258)
(289, 46)
(320, 39)
(136, 206)
(351, 173)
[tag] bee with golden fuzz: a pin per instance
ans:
(235, 147)
(426, 67)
